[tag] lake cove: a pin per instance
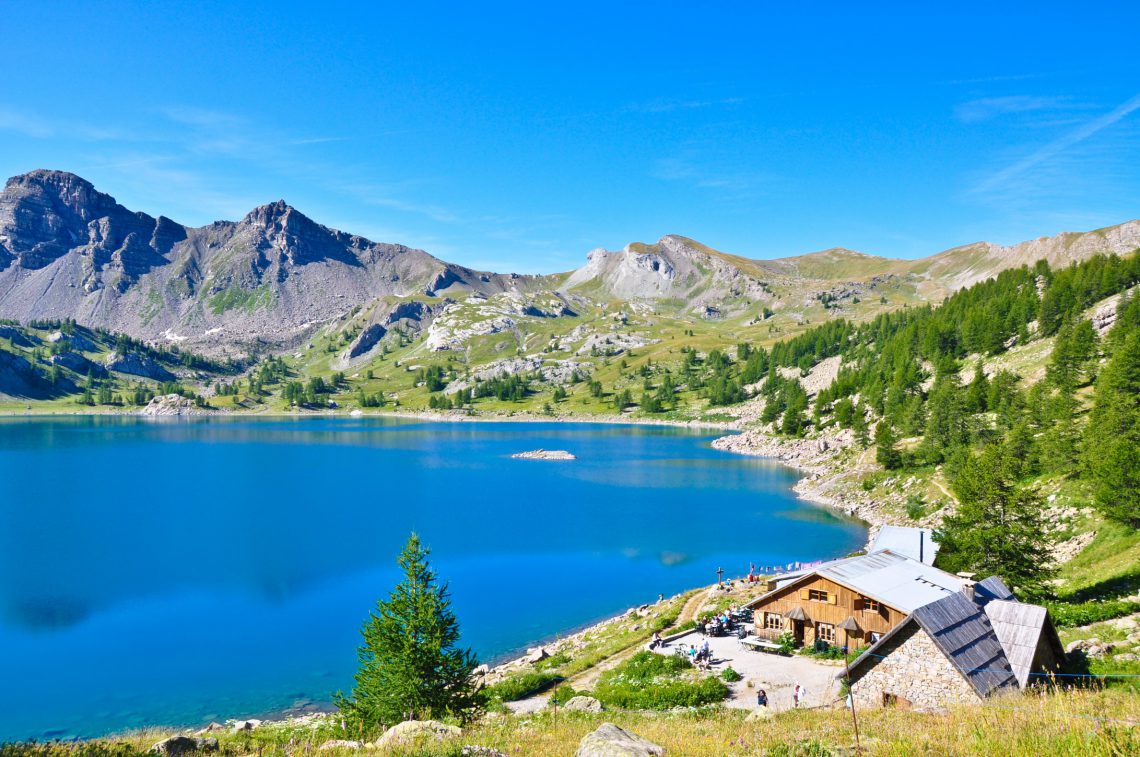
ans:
(178, 571)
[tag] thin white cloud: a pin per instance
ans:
(25, 123)
(1056, 147)
(986, 108)
(668, 106)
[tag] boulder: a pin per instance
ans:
(1081, 645)
(177, 745)
(583, 704)
(328, 746)
(414, 730)
(536, 655)
(246, 725)
(611, 741)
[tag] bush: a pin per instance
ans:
(521, 686)
(563, 693)
(649, 681)
(1069, 615)
(731, 675)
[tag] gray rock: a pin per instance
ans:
(611, 741)
(537, 654)
(178, 745)
(246, 725)
(583, 704)
(328, 746)
(414, 730)
(137, 365)
(74, 361)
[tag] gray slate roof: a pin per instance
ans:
(962, 630)
(992, 588)
(1019, 628)
(964, 633)
(915, 543)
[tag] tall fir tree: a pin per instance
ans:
(885, 440)
(998, 528)
(1112, 437)
(410, 664)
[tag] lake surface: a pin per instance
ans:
(178, 571)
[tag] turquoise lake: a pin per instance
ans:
(181, 571)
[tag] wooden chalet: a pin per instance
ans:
(851, 602)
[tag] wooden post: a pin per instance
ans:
(851, 694)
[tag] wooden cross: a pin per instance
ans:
(719, 576)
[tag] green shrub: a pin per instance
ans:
(563, 693)
(649, 681)
(915, 507)
(1083, 613)
(553, 661)
(521, 686)
(730, 675)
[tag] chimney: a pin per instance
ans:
(968, 585)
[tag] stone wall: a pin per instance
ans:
(915, 671)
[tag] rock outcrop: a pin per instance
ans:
(173, 404)
(135, 364)
(414, 730)
(611, 741)
(183, 745)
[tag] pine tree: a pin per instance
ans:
(997, 529)
(885, 440)
(1112, 437)
(410, 666)
(859, 424)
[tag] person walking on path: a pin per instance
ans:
(797, 695)
(761, 698)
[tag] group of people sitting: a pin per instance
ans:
(729, 621)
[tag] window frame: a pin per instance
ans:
(819, 595)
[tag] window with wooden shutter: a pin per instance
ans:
(832, 598)
(805, 594)
(819, 595)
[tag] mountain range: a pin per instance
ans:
(272, 279)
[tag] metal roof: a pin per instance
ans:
(1019, 627)
(915, 543)
(963, 632)
(892, 579)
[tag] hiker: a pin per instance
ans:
(797, 694)
(706, 652)
(656, 642)
(761, 698)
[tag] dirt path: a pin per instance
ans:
(587, 678)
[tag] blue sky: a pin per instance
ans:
(519, 136)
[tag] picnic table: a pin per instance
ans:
(760, 645)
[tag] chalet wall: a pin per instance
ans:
(915, 671)
(847, 604)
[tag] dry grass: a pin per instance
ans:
(1080, 723)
